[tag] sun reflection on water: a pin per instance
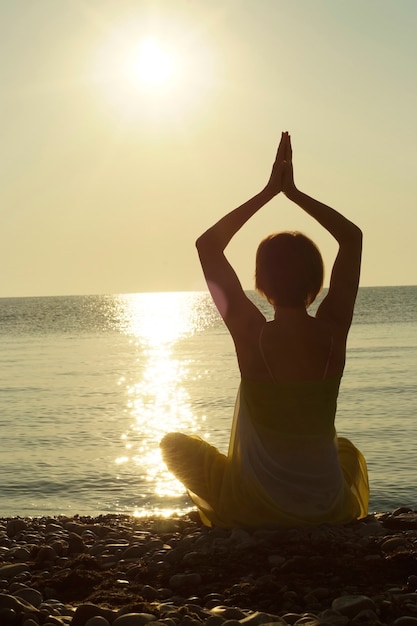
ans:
(158, 319)
(156, 398)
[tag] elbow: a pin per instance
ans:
(354, 235)
(358, 235)
(199, 242)
(207, 242)
(354, 241)
(212, 241)
(203, 246)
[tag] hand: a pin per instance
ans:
(275, 182)
(288, 184)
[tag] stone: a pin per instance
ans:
(30, 595)
(8, 616)
(401, 521)
(393, 543)
(291, 618)
(10, 571)
(15, 526)
(228, 612)
(86, 611)
(188, 620)
(214, 620)
(19, 553)
(179, 581)
(97, 620)
(133, 552)
(11, 602)
(308, 621)
(134, 619)
(368, 617)
(165, 525)
(276, 560)
(46, 554)
(257, 618)
(333, 617)
(76, 543)
(352, 605)
(149, 593)
(371, 529)
(53, 620)
(29, 622)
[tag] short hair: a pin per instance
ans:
(289, 269)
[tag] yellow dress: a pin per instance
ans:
(285, 465)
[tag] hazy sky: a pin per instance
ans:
(129, 127)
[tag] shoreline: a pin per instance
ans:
(127, 570)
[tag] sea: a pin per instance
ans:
(90, 384)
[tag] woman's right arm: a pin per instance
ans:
(344, 282)
(237, 310)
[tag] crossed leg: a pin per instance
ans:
(198, 465)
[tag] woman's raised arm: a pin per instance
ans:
(340, 300)
(222, 281)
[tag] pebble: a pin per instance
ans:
(257, 618)
(352, 605)
(178, 581)
(14, 526)
(134, 619)
(30, 622)
(177, 573)
(9, 572)
(228, 612)
(32, 596)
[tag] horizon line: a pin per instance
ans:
(169, 291)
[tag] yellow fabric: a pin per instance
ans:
(281, 469)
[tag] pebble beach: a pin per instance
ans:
(117, 570)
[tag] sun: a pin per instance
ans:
(155, 65)
(160, 75)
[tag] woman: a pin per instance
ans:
(285, 465)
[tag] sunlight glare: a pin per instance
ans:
(159, 512)
(160, 319)
(155, 65)
(165, 72)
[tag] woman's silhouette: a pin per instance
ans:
(285, 464)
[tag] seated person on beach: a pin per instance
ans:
(285, 464)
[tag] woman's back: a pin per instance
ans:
(295, 347)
